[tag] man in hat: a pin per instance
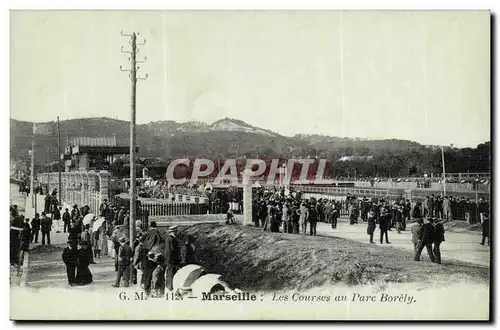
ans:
(438, 239)
(383, 225)
(415, 234)
(46, 227)
(486, 228)
(147, 275)
(172, 255)
(483, 209)
(313, 218)
(304, 215)
(121, 216)
(104, 208)
(70, 259)
(75, 213)
(56, 215)
(285, 217)
(371, 225)
(66, 220)
(125, 254)
(35, 228)
(140, 258)
(426, 239)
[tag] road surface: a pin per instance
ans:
(458, 246)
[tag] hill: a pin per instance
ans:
(231, 138)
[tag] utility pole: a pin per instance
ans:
(133, 78)
(444, 171)
(59, 192)
(32, 179)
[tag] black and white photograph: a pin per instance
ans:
(250, 165)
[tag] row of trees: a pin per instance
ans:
(385, 163)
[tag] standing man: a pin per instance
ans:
(124, 261)
(486, 228)
(334, 213)
(417, 213)
(398, 216)
(406, 213)
(57, 217)
(285, 218)
(75, 213)
(46, 226)
(70, 259)
(172, 257)
(438, 239)
(415, 234)
(427, 206)
(483, 208)
(140, 259)
(104, 208)
(426, 239)
(66, 220)
(383, 225)
(121, 216)
(313, 219)
(371, 225)
(35, 228)
(304, 215)
(446, 208)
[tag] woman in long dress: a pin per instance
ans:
(83, 274)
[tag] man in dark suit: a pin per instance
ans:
(124, 256)
(371, 225)
(438, 239)
(56, 216)
(426, 239)
(66, 220)
(383, 225)
(35, 228)
(486, 228)
(415, 234)
(46, 227)
(172, 255)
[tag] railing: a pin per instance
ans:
(341, 191)
(161, 209)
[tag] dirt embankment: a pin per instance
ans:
(254, 260)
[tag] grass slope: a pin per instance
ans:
(250, 259)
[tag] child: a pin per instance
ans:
(158, 280)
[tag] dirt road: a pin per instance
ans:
(458, 246)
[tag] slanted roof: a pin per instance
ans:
(86, 141)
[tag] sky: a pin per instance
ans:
(421, 76)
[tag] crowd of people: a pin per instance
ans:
(149, 262)
(152, 259)
(274, 210)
